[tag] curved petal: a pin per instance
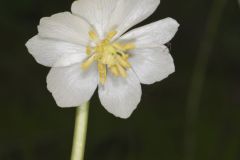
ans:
(120, 96)
(152, 64)
(120, 15)
(131, 12)
(152, 35)
(71, 86)
(66, 27)
(96, 12)
(47, 52)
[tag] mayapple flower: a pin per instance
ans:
(89, 49)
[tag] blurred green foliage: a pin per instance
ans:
(32, 127)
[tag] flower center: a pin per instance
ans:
(110, 56)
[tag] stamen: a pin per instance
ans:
(102, 73)
(88, 62)
(110, 49)
(129, 46)
(123, 62)
(124, 47)
(110, 35)
(107, 59)
(114, 70)
(99, 49)
(117, 46)
(122, 71)
(108, 55)
(93, 36)
(88, 50)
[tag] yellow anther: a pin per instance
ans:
(102, 73)
(124, 47)
(114, 70)
(88, 50)
(125, 57)
(105, 42)
(107, 59)
(86, 64)
(122, 71)
(128, 46)
(99, 49)
(110, 35)
(93, 36)
(117, 46)
(123, 62)
(110, 49)
(109, 56)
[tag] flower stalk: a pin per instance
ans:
(80, 132)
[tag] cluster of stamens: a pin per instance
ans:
(110, 56)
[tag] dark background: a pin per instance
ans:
(169, 124)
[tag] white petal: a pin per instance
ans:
(152, 64)
(154, 34)
(67, 60)
(66, 27)
(96, 12)
(106, 15)
(47, 52)
(131, 12)
(71, 86)
(120, 96)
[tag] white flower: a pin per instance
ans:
(88, 49)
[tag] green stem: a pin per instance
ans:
(199, 75)
(80, 132)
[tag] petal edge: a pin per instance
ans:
(121, 96)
